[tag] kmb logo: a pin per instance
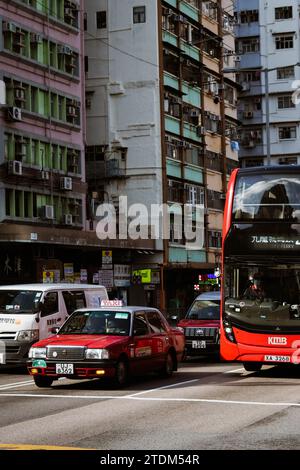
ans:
(275, 340)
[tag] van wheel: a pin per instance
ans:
(169, 366)
(42, 382)
(122, 373)
(252, 366)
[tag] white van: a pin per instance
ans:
(28, 312)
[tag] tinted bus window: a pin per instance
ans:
(267, 197)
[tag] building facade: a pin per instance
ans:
(42, 133)
(268, 59)
(161, 123)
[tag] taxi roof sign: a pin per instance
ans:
(111, 303)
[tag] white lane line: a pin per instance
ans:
(128, 397)
(16, 384)
(162, 388)
(235, 370)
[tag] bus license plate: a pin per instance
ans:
(198, 344)
(277, 359)
(65, 369)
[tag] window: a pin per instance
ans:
(139, 14)
(74, 300)
(194, 195)
(283, 13)
(285, 73)
(287, 133)
(250, 162)
(101, 19)
(215, 239)
(85, 21)
(287, 161)
(249, 45)
(249, 16)
(285, 101)
(140, 326)
(284, 41)
(155, 322)
(50, 304)
(86, 63)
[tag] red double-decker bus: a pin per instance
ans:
(260, 307)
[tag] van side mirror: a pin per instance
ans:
(54, 330)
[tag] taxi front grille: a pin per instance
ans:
(201, 333)
(65, 354)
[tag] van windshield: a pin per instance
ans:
(204, 310)
(19, 301)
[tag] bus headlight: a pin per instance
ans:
(97, 354)
(229, 331)
(37, 353)
(28, 336)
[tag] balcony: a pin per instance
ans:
(113, 169)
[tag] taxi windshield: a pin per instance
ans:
(106, 322)
(19, 301)
(204, 310)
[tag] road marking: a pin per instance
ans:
(16, 384)
(235, 370)
(130, 397)
(162, 388)
(38, 447)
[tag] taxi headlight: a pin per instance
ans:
(37, 353)
(97, 354)
(28, 336)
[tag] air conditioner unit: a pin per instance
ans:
(168, 12)
(71, 111)
(45, 175)
(245, 86)
(14, 113)
(36, 38)
(68, 219)
(15, 167)
(9, 27)
(194, 113)
(66, 183)
(62, 49)
(200, 131)
(248, 114)
(19, 94)
(47, 212)
(237, 58)
(168, 138)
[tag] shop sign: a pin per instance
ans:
(48, 277)
(144, 274)
(107, 259)
(83, 275)
(106, 278)
(122, 275)
(69, 272)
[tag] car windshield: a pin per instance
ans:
(204, 310)
(104, 322)
(19, 301)
(263, 295)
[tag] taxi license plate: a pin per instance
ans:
(65, 369)
(198, 344)
(277, 359)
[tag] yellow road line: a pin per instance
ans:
(37, 447)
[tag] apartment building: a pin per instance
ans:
(42, 131)
(268, 59)
(162, 124)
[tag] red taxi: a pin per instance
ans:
(113, 342)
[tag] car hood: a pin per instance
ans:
(187, 323)
(89, 341)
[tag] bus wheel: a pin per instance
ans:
(252, 366)
(42, 382)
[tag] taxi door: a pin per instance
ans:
(142, 344)
(160, 338)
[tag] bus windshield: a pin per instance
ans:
(263, 295)
(19, 301)
(267, 197)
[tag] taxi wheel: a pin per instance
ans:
(169, 366)
(42, 382)
(122, 373)
(252, 366)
